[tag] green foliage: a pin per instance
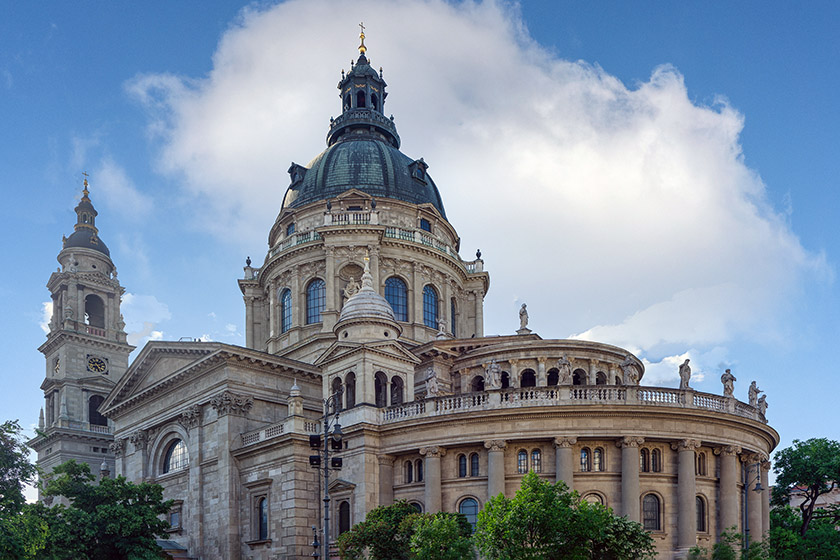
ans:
(729, 548)
(546, 522)
(807, 469)
(385, 533)
(441, 536)
(821, 542)
(113, 519)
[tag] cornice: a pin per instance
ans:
(59, 337)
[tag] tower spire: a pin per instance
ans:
(362, 47)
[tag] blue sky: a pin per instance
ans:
(661, 176)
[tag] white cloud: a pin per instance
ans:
(119, 191)
(623, 214)
(46, 316)
(142, 315)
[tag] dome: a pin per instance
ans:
(86, 239)
(369, 165)
(367, 304)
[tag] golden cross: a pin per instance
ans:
(362, 26)
(85, 180)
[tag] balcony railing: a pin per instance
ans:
(294, 240)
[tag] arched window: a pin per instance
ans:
(176, 457)
(478, 383)
(95, 311)
(522, 462)
(350, 390)
(462, 466)
(360, 100)
(474, 464)
(347, 99)
(425, 225)
(650, 513)
(578, 377)
(343, 517)
(417, 507)
(644, 460)
(430, 307)
(374, 102)
(553, 377)
(598, 460)
(701, 514)
(336, 389)
(380, 383)
(396, 293)
(408, 475)
(600, 378)
(262, 519)
(528, 378)
(701, 464)
(452, 317)
(396, 390)
(316, 297)
(93, 411)
(290, 229)
(594, 498)
(418, 470)
(285, 310)
(536, 461)
(505, 380)
(656, 460)
(469, 509)
(585, 460)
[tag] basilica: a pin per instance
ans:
(364, 300)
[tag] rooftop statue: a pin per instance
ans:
(523, 317)
(754, 391)
(728, 381)
(631, 373)
(685, 375)
(494, 375)
(565, 368)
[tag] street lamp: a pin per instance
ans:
(329, 439)
(758, 489)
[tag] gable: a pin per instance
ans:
(390, 349)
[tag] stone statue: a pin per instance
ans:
(494, 375)
(728, 381)
(762, 405)
(432, 388)
(523, 317)
(565, 368)
(685, 375)
(631, 373)
(754, 391)
(352, 288)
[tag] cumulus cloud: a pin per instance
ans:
(119, 191)
(142, 315)
(46, 316)
(620, 213)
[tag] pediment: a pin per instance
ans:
(387, 348)
(341, 485)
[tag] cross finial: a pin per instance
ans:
(85, 183)
(362, 47)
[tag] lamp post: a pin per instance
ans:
(758, 489)
(329, 438)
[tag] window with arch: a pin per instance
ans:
(536, 461)
(408, 473)
(374, 101)
(469, 509)
(651, 513)
(598, 459)
(474, 464)
(347, 99)
(418, 507)
(425, 225)
(343, 517)
(94, 311)
(477, 383)
(360, 100)
(285, 310)
(176, 457)
(380, 387)
(522, 462)
(701, 514)
(505, 380)
(656, 460)
(396, 293)
(644, 460)
(553, 377)
(585, 460)
(350, 390)
(528, 378)
(336, 389)
(600, 378)
(262, 519)
(316, 298)
(701, 464)
(430, 307)
(578, 377)
(94, 417)
(462, 466)
(396, 390)
(418, 470)
(594, 498)
(452, 317)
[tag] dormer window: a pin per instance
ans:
(296, 173)
(290, 229)
(425, 225)
(418, 170)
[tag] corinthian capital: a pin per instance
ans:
(630, 441)
(685, 444)
(728, 450)
(495, 444)
(231, 403)
(564, 441)
(433, 451)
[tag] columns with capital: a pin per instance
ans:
(754, 507)
(495, 467)
(386, 480)
(765, 499)
(564, 460)
(686, 493)
(729, 503)
(630, 476)
(432, 456)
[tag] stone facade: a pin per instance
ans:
(432, 411)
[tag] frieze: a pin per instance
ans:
(231, 403)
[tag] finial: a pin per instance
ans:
(362, 47)
(247, 261)
(85, 191)
(367, 278)
(478, 254)
(380, 72)
(342, 73)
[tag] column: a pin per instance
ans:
(754, 507)
(541, 377)
(765, 500)
(431, 475)
(630, 476)
(479, 314)
(249, 321)
(495, 467)
(686, 493)
(386, 480)
(593, 368)
(729, 503)
(298, 300)
(332, 282)
(564, 460)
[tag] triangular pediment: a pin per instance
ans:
(341, 485)
(386, 348)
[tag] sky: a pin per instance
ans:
(659, 176)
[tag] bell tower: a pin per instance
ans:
(86, 349)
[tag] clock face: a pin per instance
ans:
(97, 365)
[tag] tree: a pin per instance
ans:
(807, 469)
(21, 535)
(385, 533)
(545, 521)
(114, 519)
(821, 542)
(441, 536)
